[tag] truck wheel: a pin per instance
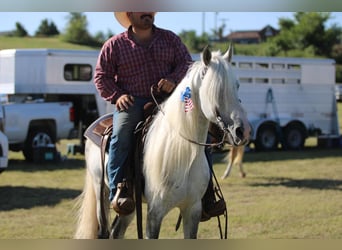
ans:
(37, 137)
(267, 138)
(294, 137)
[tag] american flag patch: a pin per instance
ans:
(188, 104)
(186, 98)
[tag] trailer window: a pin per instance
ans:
(261, 80)
(278, 66)
(78, 72)
(261, 65)
(246, 80)
(278, 80)
(245, 65)
(293, 66)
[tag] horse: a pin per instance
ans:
(235, 157)
(175, 168)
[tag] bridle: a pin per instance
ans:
(227, 131)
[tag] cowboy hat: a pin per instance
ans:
(123, 18)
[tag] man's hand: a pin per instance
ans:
(124, 102)
(166, 86)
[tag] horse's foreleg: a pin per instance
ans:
(120, 225)
(231, 157)
(191, 220)
(228, 169)
(242, 172)
(153, 223)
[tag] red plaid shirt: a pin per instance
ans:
(125, 67)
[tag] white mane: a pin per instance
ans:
(168, 155)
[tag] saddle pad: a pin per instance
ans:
(95, 131)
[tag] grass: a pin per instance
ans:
(285, 195)
(38, 42)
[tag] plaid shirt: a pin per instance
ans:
(125, 67)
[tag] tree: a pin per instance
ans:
(307, 32)
(20, 30)
(76, 31)
(192, 42)
(47, 29)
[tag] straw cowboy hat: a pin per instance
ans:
(123, 18)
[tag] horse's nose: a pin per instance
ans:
(241, 133)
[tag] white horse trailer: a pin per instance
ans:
(288, 99)
(54, 75)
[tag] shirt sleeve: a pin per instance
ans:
(182, 61)
(105, 72)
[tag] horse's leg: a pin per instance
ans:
(154, 219)
(120, 225)
(239, 158)
(191, 218)
(231, 156)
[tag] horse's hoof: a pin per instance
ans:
(243, 175)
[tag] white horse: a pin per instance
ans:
(175, 168)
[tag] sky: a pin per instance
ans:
(175, 21)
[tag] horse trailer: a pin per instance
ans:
(286, 99)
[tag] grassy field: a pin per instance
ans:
(286, 195)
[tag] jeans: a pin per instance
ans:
(122, 141)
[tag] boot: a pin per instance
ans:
(123, 202)
(210, 206)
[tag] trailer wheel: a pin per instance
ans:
(37, 137)
(294, 137)
(267, 138)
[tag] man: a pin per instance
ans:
(128, 65)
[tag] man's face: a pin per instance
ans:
(141, 20)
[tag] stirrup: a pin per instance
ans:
(123, 202)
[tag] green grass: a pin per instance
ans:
(34, 42)
(285, 195)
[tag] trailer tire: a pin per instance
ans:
(267, 138)
(294, 137)
(37, 137)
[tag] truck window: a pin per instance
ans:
(78, 72)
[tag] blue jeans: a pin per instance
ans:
(122, 141)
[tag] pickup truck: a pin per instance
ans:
(3, 144)
(31, 125)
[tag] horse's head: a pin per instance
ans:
(219, 97)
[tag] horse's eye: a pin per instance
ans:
(240, 101)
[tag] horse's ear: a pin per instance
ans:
(206, 55)
(228, 55)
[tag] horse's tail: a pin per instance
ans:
(87, 224)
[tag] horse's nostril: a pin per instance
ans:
(239, 132)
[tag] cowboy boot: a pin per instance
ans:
(123, 202)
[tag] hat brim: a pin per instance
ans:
(123, 18)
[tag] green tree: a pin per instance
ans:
(76, 31)
(193, 42)
(47, 28)
(306, 33)
(20, 30)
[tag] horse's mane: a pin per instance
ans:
(165, 141)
